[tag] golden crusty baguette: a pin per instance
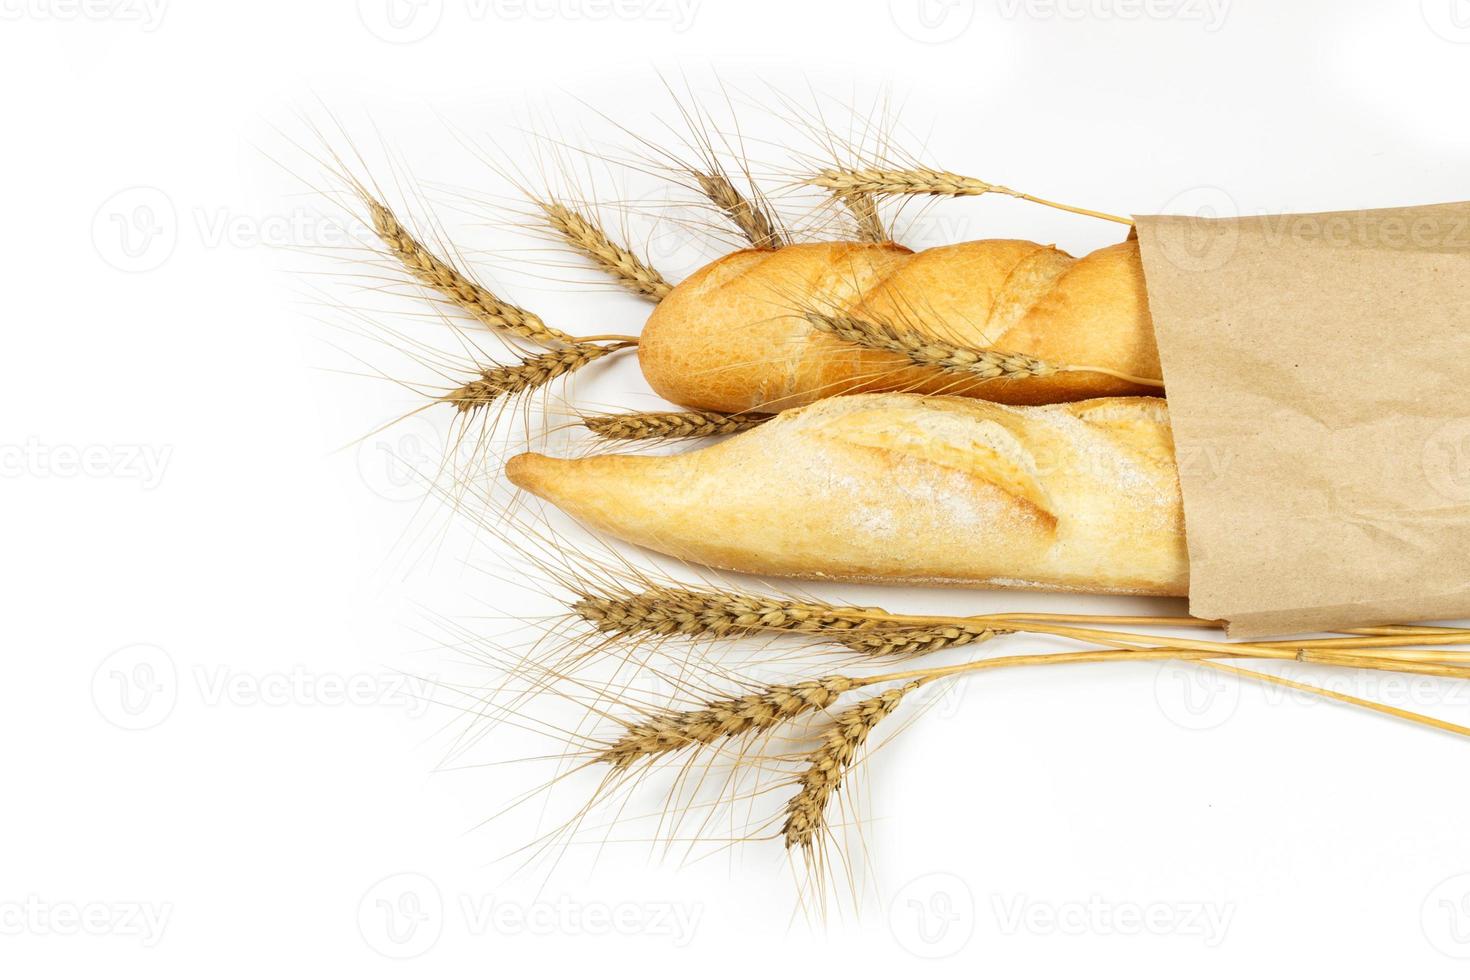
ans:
(906, 488)
(731, 337)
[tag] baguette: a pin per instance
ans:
(732, 337)
(901, 488)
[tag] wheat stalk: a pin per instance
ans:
(672, 425)
(452, 284)
(689, 612)
(828, 764)
(540, 369)
(617, 260)
(753, 222)
(929, 351)
(863, 207)
(985, 363)
(934, 183)
(726, 615)
(661, 733)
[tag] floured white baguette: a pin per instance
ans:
(906, 489)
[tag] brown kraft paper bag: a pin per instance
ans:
(1318, 376)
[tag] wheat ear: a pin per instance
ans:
(620, 262)
(754, 223)
(928, 351)
(540, 369)
(672, 425)
(665, 732)
(828, 764)
(455, 286)
(935, 183)
(727, 615)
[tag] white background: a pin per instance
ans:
(194, 573)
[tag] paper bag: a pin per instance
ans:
(1318, 376)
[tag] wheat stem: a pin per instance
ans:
(692, 613)
(935, 183)
(987, 364)
(864, 210)
(1412, 716)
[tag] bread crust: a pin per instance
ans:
(901, 488)
(731, 338)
